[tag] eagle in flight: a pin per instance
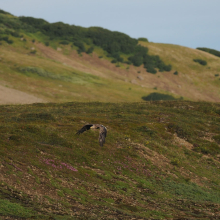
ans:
(102, 131)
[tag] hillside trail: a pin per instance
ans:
(13, 96)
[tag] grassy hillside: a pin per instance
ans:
(37, 60)
(201, 81)
(161, 160)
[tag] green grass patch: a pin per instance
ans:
(15, 210)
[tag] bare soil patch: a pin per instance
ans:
(13, 96)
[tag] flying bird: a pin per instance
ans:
(102, 131)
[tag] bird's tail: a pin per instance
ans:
(101, 141)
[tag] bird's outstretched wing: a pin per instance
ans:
(102, 135)
(84, 128)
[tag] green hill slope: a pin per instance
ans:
(160, 160)
(59, 62)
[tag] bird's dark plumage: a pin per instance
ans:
(84, 128)
(102, 131)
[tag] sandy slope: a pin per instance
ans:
(13, 96)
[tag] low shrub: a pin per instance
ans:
(6, 40)
(114, 61)
(33, 52)
(90, 50)
(80, 45)
(143, 39)
(64, 42)
(157, 96)
(15, 34)
(4, 12)
(200, 61)
(211, 51)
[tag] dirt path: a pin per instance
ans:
(13, 96)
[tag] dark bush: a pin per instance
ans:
(202, 62)
(114, 61)
(211, 51)
(117, 57)
(175, 73)
(151, 69)
(4, 12)
(128, 62)
(167, 68)
(64, 42)
(6, 40)
(113, 42)
(90, 50)
(157, 96)
(120, 59)
(15, 34)
(143, 39)
(137, 60)
(80, 45)
(33, 52)
(47, 43)
(110, 41)
(34, 22)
